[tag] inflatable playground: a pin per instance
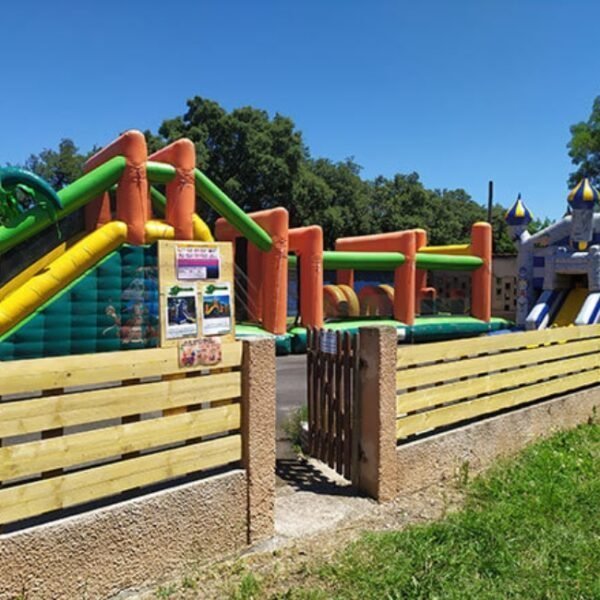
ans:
(559, 267)
(80, 270)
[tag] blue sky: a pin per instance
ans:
(461, 92)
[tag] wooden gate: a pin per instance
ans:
(332, 372)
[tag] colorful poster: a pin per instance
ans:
(194, 263)
(182, 312)
(200, 352)
(216, 310)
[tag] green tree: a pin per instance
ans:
(254, 158)
(262, 161)
(539, 224)
(584, 147)
(58, 167)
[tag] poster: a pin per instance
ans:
(200, 352)
(182, 312)
(216, 310)
(194, 263)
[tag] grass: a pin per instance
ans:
(293, 426)
(530, 528)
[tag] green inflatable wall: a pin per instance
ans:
(113, 306)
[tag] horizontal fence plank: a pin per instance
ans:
(474, 366)
(71, 450)
(29, 416)
(408, 356)
(446, 415)
(488, 384)
(66, 371)
(23, 501)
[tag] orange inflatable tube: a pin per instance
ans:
(274, 269)
(181, 191)
(481, 280)
(404, 275)
(376, 301)
(307, 243)
(133, 203)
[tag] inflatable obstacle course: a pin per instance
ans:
(106, 286)
(99, 290)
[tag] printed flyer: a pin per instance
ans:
(182, 312)
(216, 310)
(193, 263)
(200, 352)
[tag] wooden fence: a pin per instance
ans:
(332, 371)
(146, 420)
(449, 382)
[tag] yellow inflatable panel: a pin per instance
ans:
(60, 273)
(201, 231)
(570, 307)
(158, 230)
(453, 250)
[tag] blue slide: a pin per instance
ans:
(590, 311)
(545, 309)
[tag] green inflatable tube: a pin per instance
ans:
(218, 200)
(385, 261)
(447, 262)
(362, 261)
(159, 201)
(228, 209)
(160, 172)
(72, 197)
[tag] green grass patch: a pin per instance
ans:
(530, 528)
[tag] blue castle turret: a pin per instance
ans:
(581, 200)
(517, 217)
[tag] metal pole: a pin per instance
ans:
(490, 200)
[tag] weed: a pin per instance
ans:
(165, 591)
(188, 583)
(293, 426)
(249, 588)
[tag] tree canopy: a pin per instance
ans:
(262, 161)
(584, 147)
(58, 167)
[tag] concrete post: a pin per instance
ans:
(258, 435)
(377, 413)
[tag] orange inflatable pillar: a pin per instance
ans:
(133, 202)
(481, 280)
(275, 273)
(420, 274)
(307, 243)
(405, 278)
(181, 191)
(274, 277)
(97, 212)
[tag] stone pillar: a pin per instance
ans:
(377, 413)
(258, 435)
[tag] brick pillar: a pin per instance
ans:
(377, 413)
(258, 435)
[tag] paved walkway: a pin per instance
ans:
(311, 497)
